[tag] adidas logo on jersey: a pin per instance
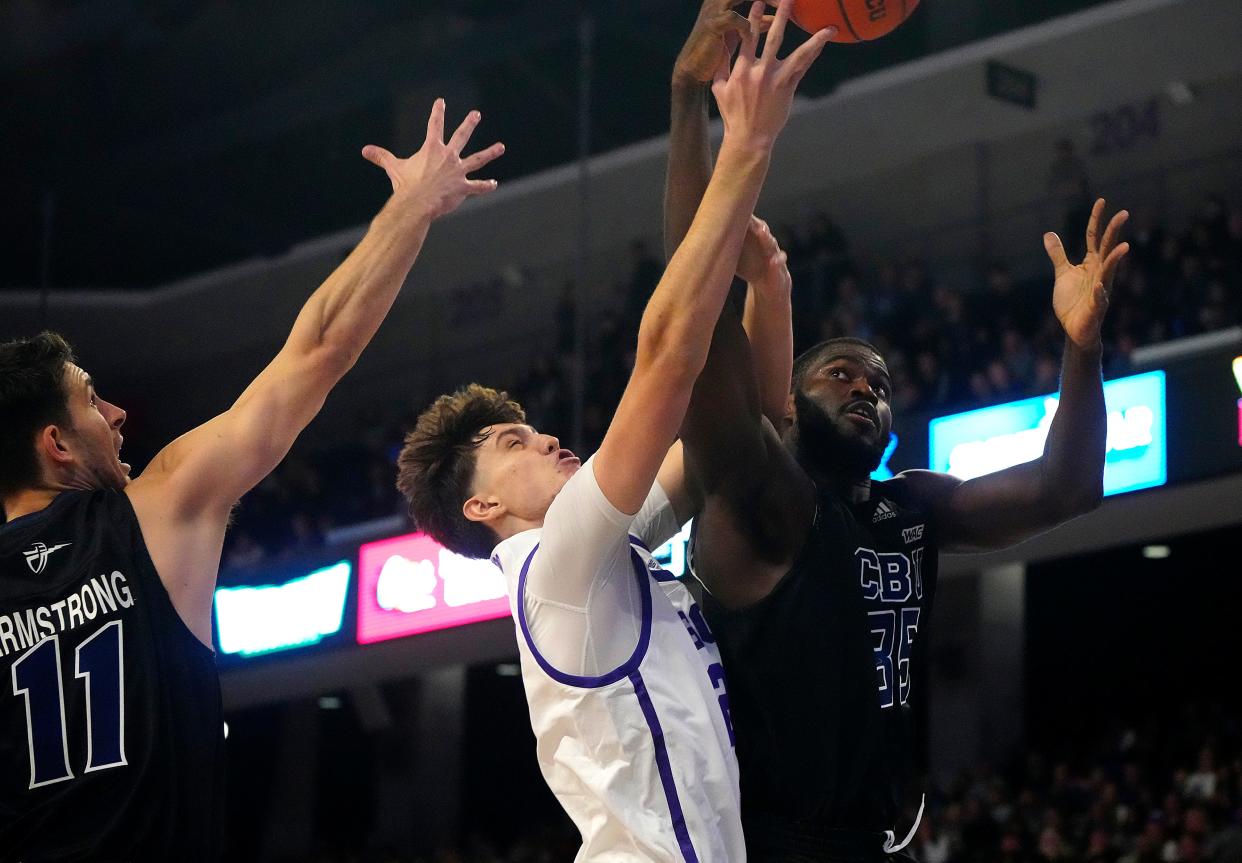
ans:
(883, 512)
(37, 555)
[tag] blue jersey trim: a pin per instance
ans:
(630, 666)
(665, 768)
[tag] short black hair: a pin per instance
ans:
(811, 357)
(32, 397)
(435, 470)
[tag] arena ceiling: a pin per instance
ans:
(144, 141)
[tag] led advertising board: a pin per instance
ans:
(272, 617)
(412, 584)
(982, 441)
(1237, 375)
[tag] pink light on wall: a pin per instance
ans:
(1237, 375)
(411, 584)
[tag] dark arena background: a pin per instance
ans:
(179, 176)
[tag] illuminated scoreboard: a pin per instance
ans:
(406, 585)
(267, 618)
(412, 584)
(983, 441)
(1177, 425)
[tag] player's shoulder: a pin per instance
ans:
(917, 488)
(512, 554)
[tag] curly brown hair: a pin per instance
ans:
(435, 470)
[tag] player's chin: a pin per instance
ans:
(859, 429)
(563, 475)
(870, 440)
(120, 475)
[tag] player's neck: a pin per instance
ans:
(28, 501)
(847, 488)
(512, 526)
(855, 488)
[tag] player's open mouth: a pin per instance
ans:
(567, 456)
(865, 412)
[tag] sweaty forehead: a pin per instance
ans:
(856, 354)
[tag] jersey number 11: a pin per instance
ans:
(37, 677)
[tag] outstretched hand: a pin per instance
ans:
(436, 176)
(716, 34)
(755, 95)
(762, 264)
(1080, 294)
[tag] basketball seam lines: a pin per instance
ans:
(845, 16)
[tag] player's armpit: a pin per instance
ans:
(758, 502)
(722, 430)
(753, 527)
(184, 498)
(685, 495)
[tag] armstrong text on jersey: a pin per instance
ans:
(103, 594)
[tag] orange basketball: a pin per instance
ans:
(855, 20)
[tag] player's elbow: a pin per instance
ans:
(1068, 503)
(329, 361)
(1090, 499)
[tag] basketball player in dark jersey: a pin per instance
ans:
(819, 580)
(111, 736)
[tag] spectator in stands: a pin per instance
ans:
(950, 346)
(1201, 785)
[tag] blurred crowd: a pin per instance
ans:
(950, 346)
(1157, 791)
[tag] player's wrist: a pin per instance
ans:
(686, 86)
(407, 205)
(771, 290)
(1091, 348)
(746, 146)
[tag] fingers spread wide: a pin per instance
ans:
(475, 161)
(480, 187)
(435, 122)
(806, 54)
(1056, 252)
(1111, 262)
(776, 35)
(1114, 228)
(1093, 226)
(378, 156)
(462, 136)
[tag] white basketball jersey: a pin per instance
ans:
(640, 754)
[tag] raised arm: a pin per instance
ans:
(184, 498)
(675, 332)
(767, 317)
(1011, 505)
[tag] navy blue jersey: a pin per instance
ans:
(111, 733)
(824, 674)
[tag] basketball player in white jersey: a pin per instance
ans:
(623, 681)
